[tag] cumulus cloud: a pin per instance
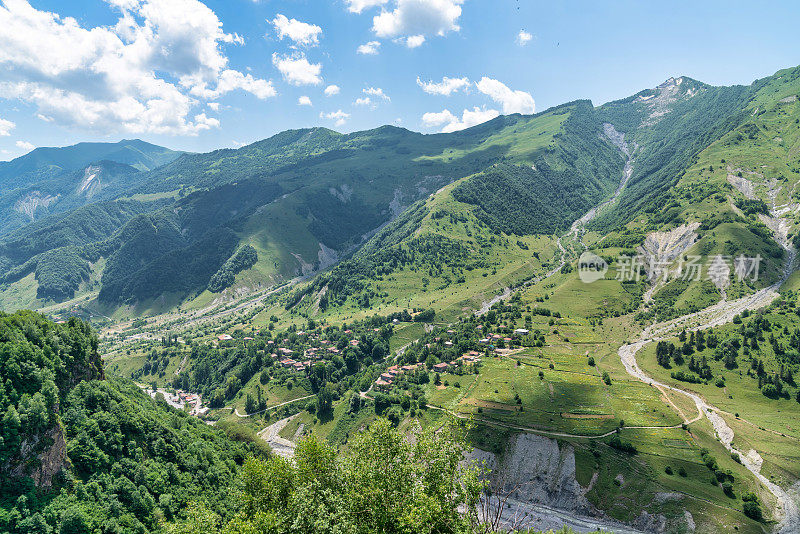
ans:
(523, 38)
(145, 73)
(332, 90)
(24, 145)
(357, 6)
(413, 41)
(365, 101)
(304, 101)
(297, 70)
(451, 123)
(433, 118)
(232, 79)
(369, 49)
(414, 19)
(512, 101)
(378, 92)
(301, 33)
(5, 127)
(446, 87)
(339, 116)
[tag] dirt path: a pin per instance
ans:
(236, 410)
(788, 508)
(547, 433)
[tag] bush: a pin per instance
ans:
(623, 446)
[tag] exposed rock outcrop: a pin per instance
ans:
(41, 457)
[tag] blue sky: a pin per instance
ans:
(198, 75)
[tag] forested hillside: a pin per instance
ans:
(84, 454)
(304, 198)
(55, 180)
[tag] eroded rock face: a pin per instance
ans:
(668, 246)
(534, 469)
(46, 455)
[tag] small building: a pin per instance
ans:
(382, 385)
(521, 331)
(224, 337)
(441, 367)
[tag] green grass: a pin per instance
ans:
(405, 334)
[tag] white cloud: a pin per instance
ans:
(377, 91)
(451, 123)
(301, 33)
(414, 41)
(297, 70)
(446, 87)
(304, 101)
(143, 74)
(24, 145)
(432, 119)
(512, 101)
(332, 90)
(5, 127)
(523, 38)
(365, 101)
(357, 6)
(414, 19)
(369, 49)
(213, 106)
(232, 79)
(339, 116)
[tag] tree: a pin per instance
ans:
(663, 354)
(74, 522)
(385, 483)
(199, 520)
(250, 404)
(325, 400)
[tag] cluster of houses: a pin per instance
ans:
(285, 357)
(193, 400)
(386, 380)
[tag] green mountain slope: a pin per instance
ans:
(84, 454)
(304, 198)
(467, 239)
(712, 172)
(46, 162)
(53, 180)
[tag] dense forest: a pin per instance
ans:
(100, 455)
(566, 178)
(699, 115)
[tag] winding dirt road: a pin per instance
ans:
(788, 503)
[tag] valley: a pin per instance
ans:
(317, 285)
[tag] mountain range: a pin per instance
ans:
(607, 293)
